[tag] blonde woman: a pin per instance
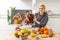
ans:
(41, 18)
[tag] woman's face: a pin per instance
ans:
(41, 9)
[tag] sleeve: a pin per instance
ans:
(44, 21)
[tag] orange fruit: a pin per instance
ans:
(45, 31)
(45, 28)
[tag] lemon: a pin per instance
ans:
(33, 34)
(23, 31)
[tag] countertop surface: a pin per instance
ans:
(11, 36)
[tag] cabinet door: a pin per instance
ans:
(54, 23)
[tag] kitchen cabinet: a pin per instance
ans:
(54, 23)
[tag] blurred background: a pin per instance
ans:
(52, 5)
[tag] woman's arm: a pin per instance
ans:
(43, 21)
(37, 21)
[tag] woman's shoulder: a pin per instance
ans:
(45, 13)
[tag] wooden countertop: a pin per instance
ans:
(11, 36)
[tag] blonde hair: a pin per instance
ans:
(43, 6)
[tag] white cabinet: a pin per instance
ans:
(54, 23)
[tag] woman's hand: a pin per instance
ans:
(36, 21)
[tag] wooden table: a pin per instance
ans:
(11, 36)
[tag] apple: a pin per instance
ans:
(23, 28)
(16, 34)
(26, 34)
(28, 31)
(17, 28)
(42, 30)
(23, 31)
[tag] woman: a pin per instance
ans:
(41, 18)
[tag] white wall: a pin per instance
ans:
(54, 23)
(53, 5)
(5, 5)
(19, 4)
